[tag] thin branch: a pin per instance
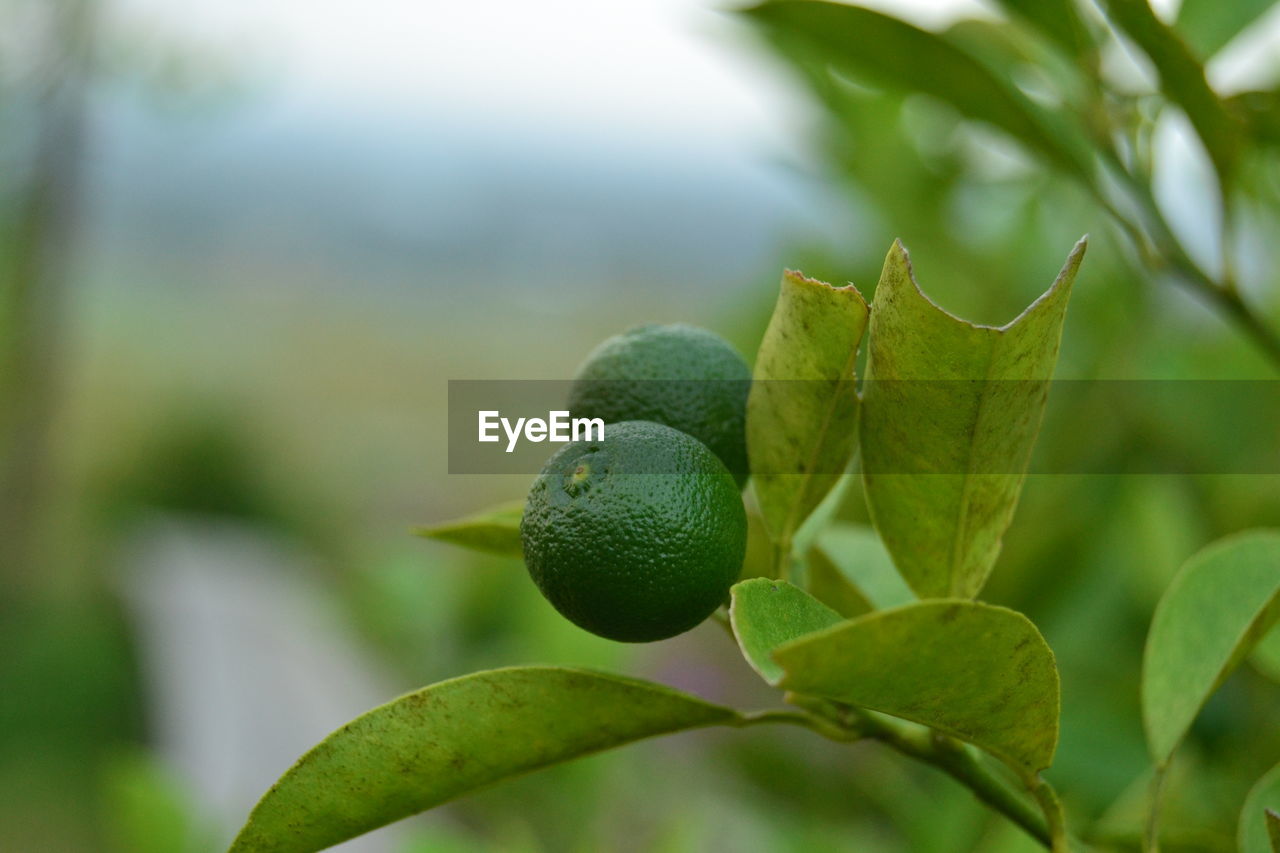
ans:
(846, 723)
(1267, 339)
(1170, 254)
(797, 718)
(944, 753)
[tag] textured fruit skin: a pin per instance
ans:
(679, 375)
(637, 537)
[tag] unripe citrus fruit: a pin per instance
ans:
(679, 375)
(637, 537)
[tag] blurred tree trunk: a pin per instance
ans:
(50, 102)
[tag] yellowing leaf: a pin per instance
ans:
(802, 413)
(759, 561)
(978, 672)
(829, 585)
(860, 557)
(442, 741)
(950, 415)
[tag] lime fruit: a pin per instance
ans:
(679, 375)
(636, 537)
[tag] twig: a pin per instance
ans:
(809, 721)
(947, 755)
(1170, 254)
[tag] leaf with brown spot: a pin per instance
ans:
(856, 552)
(443, 741)
(802, 412)
(975, 671)
(950, 413)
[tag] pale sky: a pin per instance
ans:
(627, 64)
(669, 69)
(624, 63)
(661, 73)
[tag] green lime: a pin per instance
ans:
(679, 375)
(636, 537)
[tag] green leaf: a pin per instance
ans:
(1259, 828)
(759, 561)
(1266, 657)
(829, 585)
(802, 412)
(1259, 112)
(442, 741)
(950, 413)
(1208, 25)
(147, 809)
(859, 555)
(1055, 19)
(823, 514)
(766, 614)
(978, 672)
(1219, 605)
(895, 54)
(1011, 53)
(1182, 80)
(494, 531)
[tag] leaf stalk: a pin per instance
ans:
(1151, 830)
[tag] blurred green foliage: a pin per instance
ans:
(328, 439)
(1087, 555)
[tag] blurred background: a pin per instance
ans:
(245, 245)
